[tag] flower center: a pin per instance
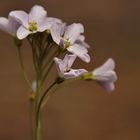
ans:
(67, 43)
(32, 26)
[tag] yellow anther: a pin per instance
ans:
(67, 43)
(32, 26)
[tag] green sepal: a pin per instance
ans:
(87, 76)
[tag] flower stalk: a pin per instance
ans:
(23, 68)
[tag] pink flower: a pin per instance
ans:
(64, 67)
(105, 75)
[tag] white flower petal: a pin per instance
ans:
(80, 51)
(9, 25)
(81, 38)
(84, 44)
(34, 86)
(81, 41)
(105, 75)
(44, 25)
(47, 23)
(4, 25)
(37, 13)
(69, 60)
(77, 49)
(73, 73)
(85, 57)
(14, 25)
(20, 16)
(108, 65)
(109, 86)
(64, 67)
(54, 20)
(22, 32)
(106, 71)
(56, 32)
(59, 66)
(73, 32)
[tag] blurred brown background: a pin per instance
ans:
(83, 110)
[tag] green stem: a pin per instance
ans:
(57, 88)
(38, 113)
(43, 96)
(31, 119)
(23, 69)
(40, 106)
(51, 63)
(55, 53)
(38, 69)
(38, 130)
(46, 50)
(37, 97)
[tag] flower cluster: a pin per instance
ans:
(69, 38)
(52, 42)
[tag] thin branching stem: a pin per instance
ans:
(23, 69)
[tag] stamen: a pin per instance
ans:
(67, 43)
(32, 26)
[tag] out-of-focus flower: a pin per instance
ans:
(34, 90)
(64, 67)
(9, 25)
(34, 86)
(70, 38)
(35, 21)
(104, 75)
